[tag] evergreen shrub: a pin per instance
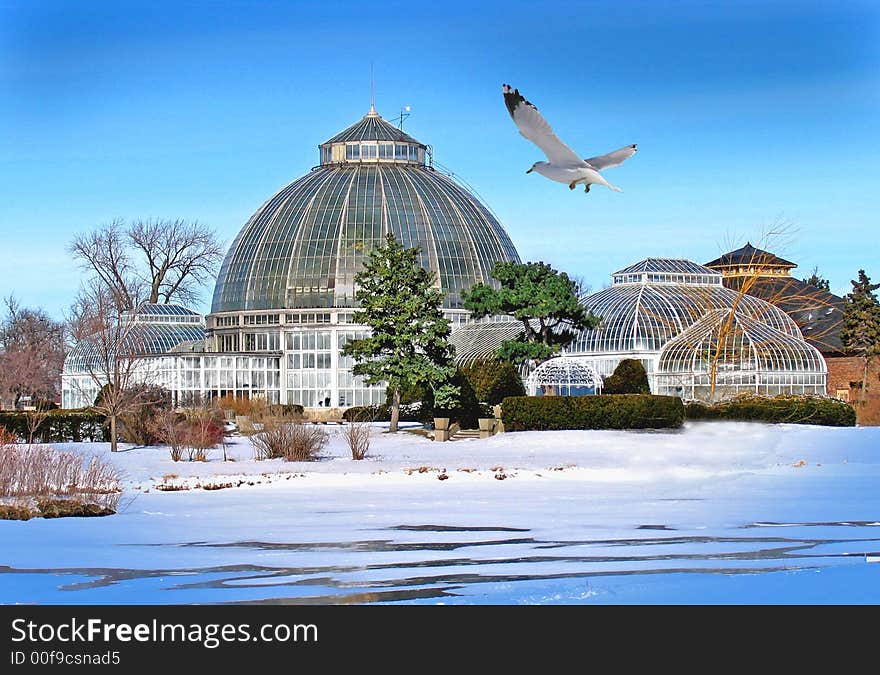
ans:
(60, 426)
(493, 381)
(779, 409)
(612, 411)
(628, 378)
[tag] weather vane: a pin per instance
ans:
(404, 113)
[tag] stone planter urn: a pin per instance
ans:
(441, 428)
(487, 426)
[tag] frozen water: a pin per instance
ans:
(716, 513)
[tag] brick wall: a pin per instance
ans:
(844, 380)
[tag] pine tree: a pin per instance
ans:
(409, 343)
(544, 300)
(861, 323)
(818, 281)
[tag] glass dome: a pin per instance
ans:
(155, 329)
(565, 376)
(653, 301)
(303, 247)
(749, 356)
(479, 340)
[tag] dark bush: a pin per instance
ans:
(493, 381)
(138, 426)
(628, 378)
(468, 409)
(614, 411)
(780, 409)
(60, 426)
(416, 405)
(287, 410)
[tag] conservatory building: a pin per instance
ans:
(695, 337)
(164, 341)
(284, 300)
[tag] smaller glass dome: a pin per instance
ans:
(667, 271)
(654, 300)
(565, 376)
(153, 330)
(746, 355)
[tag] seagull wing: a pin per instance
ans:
(615, 158)
(533, 126)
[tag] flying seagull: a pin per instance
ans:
(564, 165)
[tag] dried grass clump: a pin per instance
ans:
(242, 406)
(357, 436)
(194, 433)
(205, 431)
(43, 472)
(16, 511)
(290, 441)
(171, 429)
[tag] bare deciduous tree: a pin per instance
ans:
(111, 361)
(31, 353)
(777, 234)
(104, 251)
(180, 256)
(35, 417)
(150, 260)
(81, 321)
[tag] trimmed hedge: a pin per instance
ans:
(60, 426)
(612, 411)
(777, 410)
(409, 412)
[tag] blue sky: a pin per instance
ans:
(745, 113)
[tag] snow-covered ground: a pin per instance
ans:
(718, 512)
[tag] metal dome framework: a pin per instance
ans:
(746, 355)
(146, 336)
(303, 247)
(643, 310)
(654, 302)
(564, 376)
(480, 340)
(284, 299)
(151, 330)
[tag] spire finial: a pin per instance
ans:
(372, 92)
